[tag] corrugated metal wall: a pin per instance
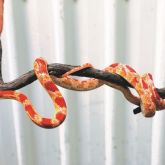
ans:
(100, 128)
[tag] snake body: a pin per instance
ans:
(68, 82)
(148, 100)
(40, 68)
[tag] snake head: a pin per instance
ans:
(148, 109)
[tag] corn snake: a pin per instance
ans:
(40, 68)
(148, 100)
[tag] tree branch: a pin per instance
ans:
(59, 69)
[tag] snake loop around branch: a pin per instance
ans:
(148, 100)
(40, 68)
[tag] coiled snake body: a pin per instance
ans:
(149, 100)
(40, 68)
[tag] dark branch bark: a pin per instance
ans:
(59, 69)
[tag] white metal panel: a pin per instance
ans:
(100, 127)
(158, 124)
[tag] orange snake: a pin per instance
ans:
(149, 100)
(40, 68)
